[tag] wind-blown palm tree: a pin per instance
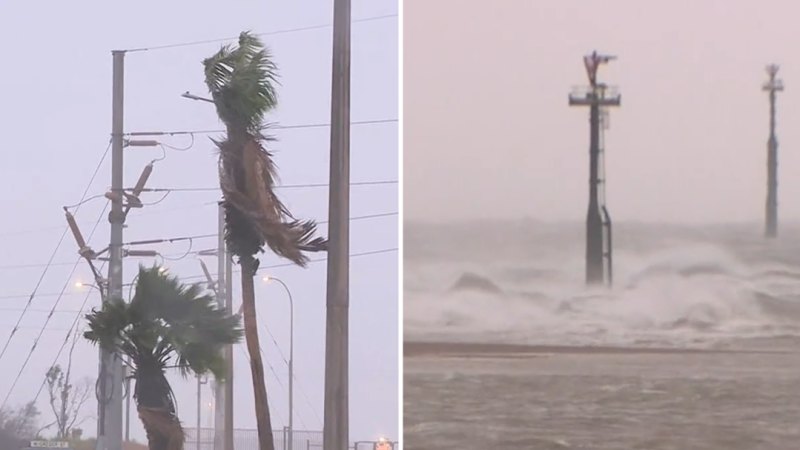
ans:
(242, 84)
(165, 324)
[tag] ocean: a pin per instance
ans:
(694, 347)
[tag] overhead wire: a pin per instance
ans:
(265, 127)
(268, 126)
(247, 357)
(49, 316)
(312, 260)
(69, 333)
(286, 361)
(196, 205)
(266, 33)
(283, 186)
(52, 255)
(166, 257)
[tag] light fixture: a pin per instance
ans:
(191, 96)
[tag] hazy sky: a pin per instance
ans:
(488, 131)
(56, 121)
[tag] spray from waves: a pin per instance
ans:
(691, 295)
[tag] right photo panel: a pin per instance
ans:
(601, 225)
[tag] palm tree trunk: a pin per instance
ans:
(265, 440)
(164, 431)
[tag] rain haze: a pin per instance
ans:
(57, 119)
(511, 338)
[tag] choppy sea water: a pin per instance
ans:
(718, 287)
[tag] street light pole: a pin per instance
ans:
(291, 357)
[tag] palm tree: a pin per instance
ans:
(241, 81)
(166, 324)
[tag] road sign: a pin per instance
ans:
(49, 444)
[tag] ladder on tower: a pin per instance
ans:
(605, 217)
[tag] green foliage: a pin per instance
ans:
(165, 323)
(241, 81)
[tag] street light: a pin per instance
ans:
(268, 279)
(99, 289)
(195, 97)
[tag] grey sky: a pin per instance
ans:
(56, 122)
(486, 84)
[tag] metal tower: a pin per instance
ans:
(772, 86)
(597, 96)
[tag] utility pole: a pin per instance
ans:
(598, 243)
(228, 348)
(223, 390)
(109, 424)
(772, 86)
(199, 411)
(336, 427)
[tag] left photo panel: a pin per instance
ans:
(200, 248)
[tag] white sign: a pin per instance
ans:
(49, 444)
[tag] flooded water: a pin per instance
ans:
(692, 291)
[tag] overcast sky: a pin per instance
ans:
(488, 132)
(56, 123)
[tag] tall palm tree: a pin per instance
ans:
(165, 324)
(242, 84)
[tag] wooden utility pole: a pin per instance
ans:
(772, 86)
(336, 426)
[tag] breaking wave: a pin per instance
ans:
(691, 291)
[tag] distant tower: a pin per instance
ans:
(597, 96)
(772, 86)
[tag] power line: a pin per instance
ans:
(302, 391)
(60, 311)
(193, 277)
(283, 186)
(265, 127)
(267, 33)
(52, 255)
(210, 235)
(66, 338)
(192, 206)
(314, 260)
(49, 316)
(272, 369)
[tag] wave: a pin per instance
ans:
(699, 293)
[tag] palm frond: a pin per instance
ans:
(165, 319)
(242, 83)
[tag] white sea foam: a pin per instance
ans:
(677, 288)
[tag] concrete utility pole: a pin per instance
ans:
(336, 427)
(772, 86)
(597, 95)
(229, 348)
(198, 441)
(109, 424)
(223, 390)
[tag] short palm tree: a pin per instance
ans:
(242, 84)
(165, 324)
